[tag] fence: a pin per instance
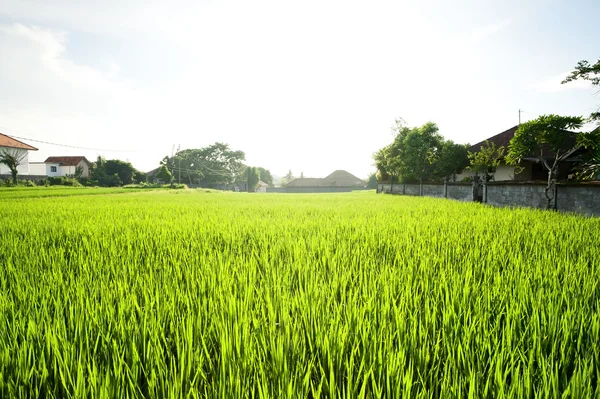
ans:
(582, 198)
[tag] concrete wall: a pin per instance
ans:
(433, 190)
(528, 195)
(579, 198)
(37, 168)
(504, 173)
(461, 192)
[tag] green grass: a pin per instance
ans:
(194, 294)
(10, 193)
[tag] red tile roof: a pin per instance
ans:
(67, 161)
(6, 141)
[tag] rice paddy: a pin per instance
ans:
(161, 294)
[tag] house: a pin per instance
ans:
(531, 170)
(12, 145)
(262, 187)
(338, 181)
(67, 166)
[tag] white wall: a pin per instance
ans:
(37, 169)
(49, 169)
(22, 169)
(504, 172)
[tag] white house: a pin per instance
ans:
(66, 166)
(262, 187)
(13, 145)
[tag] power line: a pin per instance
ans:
(67, 145)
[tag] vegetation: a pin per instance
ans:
(549, 140)
(210, 166)
(265, 176)
(485, 161)
(186, 294)
(252, 178)
(590, 72)
(419, 154)
(164, 174)
(12, 158)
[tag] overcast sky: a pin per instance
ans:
(311, 86)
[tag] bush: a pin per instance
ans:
(63, 181)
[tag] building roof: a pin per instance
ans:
(339, 178)
(262, 184)
(503, 140)
(67, 161)
(344, 179)
(6, 141)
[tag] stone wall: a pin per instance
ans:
(433, 190)
(580, 198)
(527, 195)
(461, 192)
(308, 190)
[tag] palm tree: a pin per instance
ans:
(12, 158)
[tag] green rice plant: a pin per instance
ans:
(185, 294)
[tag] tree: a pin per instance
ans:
(485, 161)
(287, 178)
(265, 176)
(419, 152)
(78, 172)
(590, 72)
(163, 174)
(302, 175)
(533, 139)
(12, 158)
(123, 169)
(589, 169)
(372, 181)
(216, 164)
(253, 177)
(452, 158)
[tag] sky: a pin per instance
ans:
(308, 86)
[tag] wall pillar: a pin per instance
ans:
(445, 188)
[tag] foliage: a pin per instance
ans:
(485, 161)
(412, 155)
(589, 169)
(372, 181)
(163, 174)
(63, 181)
(186, 294)
(78, 172)
(452, 159)
(265, 176)
(287, 178)
(548, 132)
(590, 72)
(12, 158)
(252, 178)
(210, 166)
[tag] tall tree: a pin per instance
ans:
(216, 164)
(164, 174)
(288, 178)
(485, 161)
(420, 151)
(265, 176)
(589, 169)
(549, 140)
(590, 72)
(12, 158)
(452, 158)
(372, 181)
(253, 177)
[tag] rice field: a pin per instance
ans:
(194, 294)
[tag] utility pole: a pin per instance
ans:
(520, 116)
(179, 179)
